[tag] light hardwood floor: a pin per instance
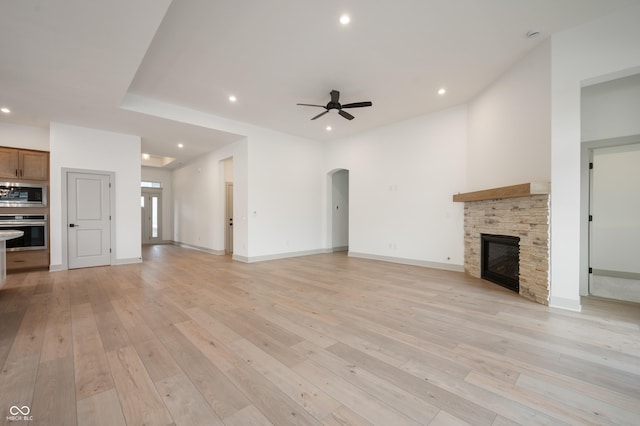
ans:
(192, 338)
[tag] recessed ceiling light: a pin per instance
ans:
(328, 128)
(145, 156)
(442, 91)
(180, 145)
(5, 110)
(232, 98)
(345, 19)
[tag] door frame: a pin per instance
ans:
(63, 217)
(228, 218)
(329, 209)
(586, 157)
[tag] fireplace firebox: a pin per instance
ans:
(501, 260)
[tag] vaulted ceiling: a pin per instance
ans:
(75, 61)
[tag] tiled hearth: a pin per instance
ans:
(525, 216)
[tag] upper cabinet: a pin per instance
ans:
(24, 164)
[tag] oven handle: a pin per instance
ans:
(24, 223)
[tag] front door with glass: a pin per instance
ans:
(151, 207)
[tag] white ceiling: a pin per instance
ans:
(74, 61)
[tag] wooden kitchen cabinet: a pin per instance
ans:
(24, 164)
(18, 261)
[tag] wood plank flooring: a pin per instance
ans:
(190, 338)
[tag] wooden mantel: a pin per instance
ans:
(513, 191)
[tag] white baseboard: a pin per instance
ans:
(277, 256)
(126, 261)
(193, 247)
(566, 304)
(412, 262)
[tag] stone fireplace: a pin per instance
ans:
(519, 211)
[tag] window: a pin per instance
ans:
(150, 184)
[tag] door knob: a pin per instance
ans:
(73, 225)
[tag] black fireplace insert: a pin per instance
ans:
(501, 260)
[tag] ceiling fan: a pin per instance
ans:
(335, 104)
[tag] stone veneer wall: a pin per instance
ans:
(524, 217)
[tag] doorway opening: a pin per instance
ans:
(614, 222)
(339, 210)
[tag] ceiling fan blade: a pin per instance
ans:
(335, 95)
(346, 115)
(313, 105)
(357, 105)
(320, 115)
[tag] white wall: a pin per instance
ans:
(285, 195)
(90, 149)
(278, 186)
(402, 179)
(603, 49)
(199, 194)
(26, 137)
(510, 126)
(611, 109)
(154, 174)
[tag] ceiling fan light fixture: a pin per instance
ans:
(334, 104)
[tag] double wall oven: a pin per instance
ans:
(23, 208)
(34, 227)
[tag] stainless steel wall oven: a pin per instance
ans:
(34, 227)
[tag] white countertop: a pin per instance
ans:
(10, 234)
(4, 236)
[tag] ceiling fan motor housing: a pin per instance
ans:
(335, 104)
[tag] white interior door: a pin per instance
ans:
(88, 220)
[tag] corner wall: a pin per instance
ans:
(401, 181)
(90, 149)
(198, 200)
(600, 50)
(285, 210)
(510, 126)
